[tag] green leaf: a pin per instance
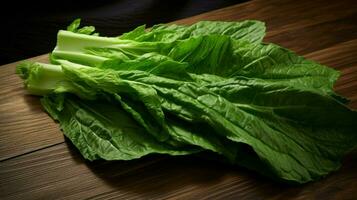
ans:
(291, 135)
(101, 129)
(73, 27)
(87, 30)
(249, 30)
(140, 30)
(211, 86)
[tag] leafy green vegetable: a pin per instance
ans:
(250, 30)
(184, 89)
(85, 49)
(103, 130)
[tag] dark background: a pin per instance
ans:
(29, 28)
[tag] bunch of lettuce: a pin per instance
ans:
(211, 86)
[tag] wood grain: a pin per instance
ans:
(37, 163)
(343, 58)
(24, 126)
(60, 171)
(288, 22)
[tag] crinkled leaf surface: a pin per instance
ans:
(178, 89)
(101, 129)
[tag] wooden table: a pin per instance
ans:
(37, 162)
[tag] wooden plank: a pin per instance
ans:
(312, 38)
(25, 127)
(282, 16)
(60, 171)
(297, 26)
(342, 57)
